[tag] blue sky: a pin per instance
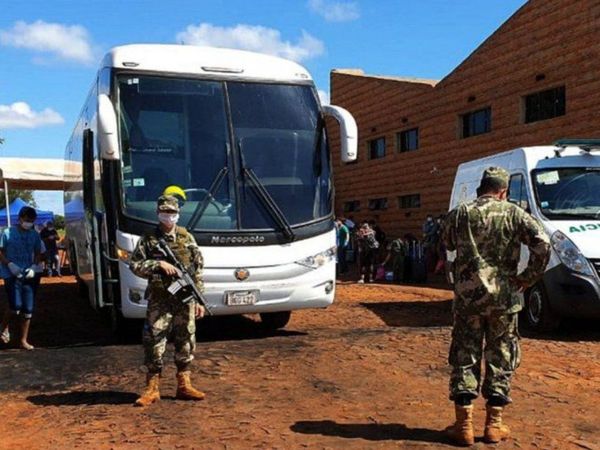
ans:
(49, 50)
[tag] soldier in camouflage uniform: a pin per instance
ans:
(487, 235)
(166, 312)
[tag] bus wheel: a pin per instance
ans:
(537, 313)
(124, 330)
(275, 320)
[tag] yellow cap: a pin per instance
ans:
(175, 191)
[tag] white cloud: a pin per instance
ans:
(67, 42)
(335, 11)
(324, 96)
(254, 38)
(20, 115)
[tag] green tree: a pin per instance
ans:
(25, 195)
(59, 221)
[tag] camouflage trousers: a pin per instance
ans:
(501, 352)
(166, 317)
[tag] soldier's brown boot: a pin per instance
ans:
(151, 394)
(461, 432)
(185, 390)
(495, 430)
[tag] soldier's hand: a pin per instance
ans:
(520, 284)
(167, 268)
(199, 311)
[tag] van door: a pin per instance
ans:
(519, 195)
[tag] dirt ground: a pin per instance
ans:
(369, 372)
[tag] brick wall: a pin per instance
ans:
(557, 39)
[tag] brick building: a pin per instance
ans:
(535, 80)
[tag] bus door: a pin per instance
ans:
(91, 271)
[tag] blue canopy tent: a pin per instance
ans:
(15, 207)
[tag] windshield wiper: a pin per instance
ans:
(264, 196)
(201, 207)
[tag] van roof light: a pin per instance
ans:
(587, 145)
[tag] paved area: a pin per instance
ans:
(369, 372)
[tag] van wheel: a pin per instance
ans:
(275, 320)
(538, 316)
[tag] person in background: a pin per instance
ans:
(50, 238)
(430, 242)
(343, 239)
(349, 222)
(367, 247)
(20, 257)
(397, 252)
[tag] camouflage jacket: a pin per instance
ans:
(146, 258)
(487, 235)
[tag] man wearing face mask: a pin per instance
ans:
(20, 254)
(166, 312)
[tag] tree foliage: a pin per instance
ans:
(25, 195)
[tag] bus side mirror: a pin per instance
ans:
(348, 131)
(108, 139)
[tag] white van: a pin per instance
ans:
(560, 186)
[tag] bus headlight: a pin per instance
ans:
(318, 260)
(123, 255)
(570, 255)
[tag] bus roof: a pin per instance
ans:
(209, 61)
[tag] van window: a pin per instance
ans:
(568, 193)
(517, 191)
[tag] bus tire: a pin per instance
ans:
(275, 320)
(537, 313)
(124, 330)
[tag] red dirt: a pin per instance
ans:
(369, 372)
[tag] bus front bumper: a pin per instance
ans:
(278, 288)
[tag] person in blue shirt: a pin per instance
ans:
(20, 256)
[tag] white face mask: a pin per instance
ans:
(27, 225)
(168, 218)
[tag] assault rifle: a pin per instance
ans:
(185, 283)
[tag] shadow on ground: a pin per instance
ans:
(413, 313)
(63, 318)
(570, 330)
(369, 431)
(83, 398)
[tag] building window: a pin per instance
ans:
(476, 122)
(352, 206)
(408, 140)
(378, 203)
(377, 148)
(409, 201)
(545, 104)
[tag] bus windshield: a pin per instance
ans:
(183, 132)
(568, 193)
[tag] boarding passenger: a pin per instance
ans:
(20, 257)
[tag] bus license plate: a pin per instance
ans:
(241, 298)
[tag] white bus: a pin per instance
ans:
(244, 136)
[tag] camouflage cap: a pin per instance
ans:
(497, 173)
(167, 203)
